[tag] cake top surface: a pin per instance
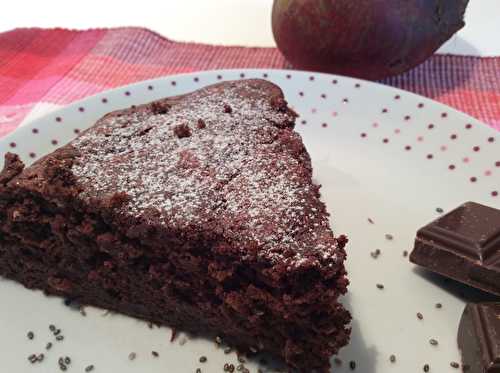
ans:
(224, 157)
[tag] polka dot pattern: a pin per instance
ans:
(328, 98)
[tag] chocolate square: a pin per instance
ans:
(463, 245)
(479, 338)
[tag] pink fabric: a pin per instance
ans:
(60, 66)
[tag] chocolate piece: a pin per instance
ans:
(215, 229)
(479, 338)
(463, 245)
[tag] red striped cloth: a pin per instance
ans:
(48, 68)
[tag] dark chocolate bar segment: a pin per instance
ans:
(479, 338)
(463, 245)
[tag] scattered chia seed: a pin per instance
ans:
(67, 360)
(427, 368)
(455, 365)
(420, 316)
(375, 254)
(31, 335)
(380, 286)
(61, 361)
(32, 358)
(433, 342)
(240, 367)
(405, 253)
(392, 358)
(439, 305)
(48, 346)
(40, 357)
(132, 356)
(198, 370)
(89, 368)
(228, 350)
(371, 221)
(57, 331)
(439, 210)
(59, 338)
(226, 367)
(155, 354)
(245, 370)
(62, 366)
(241, 359)
(218, 340)
(52, 328)
(352, 365)
(337, 361)
(203, 359)
(389, 237)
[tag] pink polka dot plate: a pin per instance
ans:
(389, 162)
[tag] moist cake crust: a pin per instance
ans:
(196, 211)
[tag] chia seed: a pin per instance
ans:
(132, 356)
(439, 210)
(52, 327)
(48, 346)
(439, 305)
(392, 358)
(389, 237)
(375, 254)
(455, 365)
(420, 316)
(59, 338)
(352, 365)
(228, 350)
(203, 359)
(433, 342)
(31, 335)
(89, 368)
(155, 354)
(67, 360)
(405, 253)
(427, 368)
(380, 286)
(198, 370)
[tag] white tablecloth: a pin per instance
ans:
(233, 22)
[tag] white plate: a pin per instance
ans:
(379, 152)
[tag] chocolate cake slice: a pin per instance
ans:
(196, 211)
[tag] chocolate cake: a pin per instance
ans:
(196, 211)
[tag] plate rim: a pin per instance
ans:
(22, 127)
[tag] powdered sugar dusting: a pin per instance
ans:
(239, 169)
